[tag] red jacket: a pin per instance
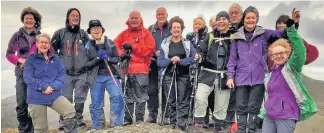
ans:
(143, 49)
(311, 54)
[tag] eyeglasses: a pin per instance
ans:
(74, 16)
(279, 53)
(43, 42)
(96, 28)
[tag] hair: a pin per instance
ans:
(280, 42)
(201, 18)
(34, 12)
(43, 35)
(237, 6)
(176, 19)
(282, 19)
(212, 20)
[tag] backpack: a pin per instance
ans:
(152, 29)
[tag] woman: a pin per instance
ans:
(212, 22)
(105, 51)
(214, 54)
(175, 57)
(18, 48)
(311, 50)
(44, 75)
(247, 66)
(286, 102)
(199, 23)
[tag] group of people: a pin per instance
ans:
(239, 72)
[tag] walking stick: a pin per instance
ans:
(168, 97)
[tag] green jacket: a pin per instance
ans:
(292, 73)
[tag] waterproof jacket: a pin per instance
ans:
(164, 61)
(194, 39)
(159, 33)
(113, 60)
(209, 49)
(143, 46)
(19, 47)
(39, 74)
(292, 72)
(70, 45)
(247, 63)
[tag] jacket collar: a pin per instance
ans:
(241, 35)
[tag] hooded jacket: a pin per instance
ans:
(69, 44)
(247, 63)
(292, 73)
(194, 39)
(38, 75)
(143, 46)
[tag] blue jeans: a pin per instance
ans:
(97, 102)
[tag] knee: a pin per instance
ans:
(241, 107)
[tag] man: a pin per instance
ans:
(69, 43)
(18, 49)
(235, 12)
(159, 31)
(135, 45)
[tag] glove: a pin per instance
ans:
(124, 57)
(127, 47)
(102, 54)
(201, 33)
(290, 22)
(258, 122)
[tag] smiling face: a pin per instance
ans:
(29, 21)
(74, 18)
(176, 29)
(198, 24)
(134, 19)
(235, 14)
(222, 24)
(43, 44)
(96, 32)
(250, 21)
(161, 15)
(281, 26)
(279, 51)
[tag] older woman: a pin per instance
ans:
(104, 50)
(247, 66)
(18, 49)
(44, 75)
(287, 99)
(198, 23)
(175, 57)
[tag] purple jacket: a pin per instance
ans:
(38, 75)
(19, 47)
(281, 102)
(247, 63)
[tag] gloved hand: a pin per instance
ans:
(124, 56)
(258, 122)
(290, 22)
(127, 46)
(102, 54)
(201, 33)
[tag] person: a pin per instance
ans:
(311, 50)
(212, 22)
(176, 55)
(135, 45)
(287, 99)
(247, 66)
(213, 58)
(235, 12)
(18, 48)
(44, 75)
(199, 30)
(159, 31)
(104, 50)
(68, 43)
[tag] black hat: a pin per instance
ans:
(222, 14)
(93, 23)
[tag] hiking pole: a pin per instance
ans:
(168, 97)
(176, 94)
(126, 72)
(115, 82)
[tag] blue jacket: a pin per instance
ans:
(159, 34)
(38, 75)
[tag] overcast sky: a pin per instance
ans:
(113, 16)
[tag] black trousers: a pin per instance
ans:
(25, 122)
(179, 110)
(248, 103)
(153, 91)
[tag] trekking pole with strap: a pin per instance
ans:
(168, 97)
(176, 94)
(119, 91)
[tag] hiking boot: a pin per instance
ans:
(140, 122)
(151, 120)
(126, 123)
